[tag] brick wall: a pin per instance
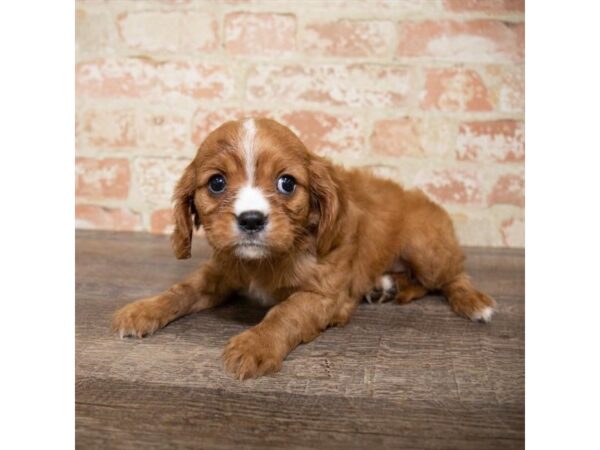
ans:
(427, 92)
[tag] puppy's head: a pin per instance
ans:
(257, 191)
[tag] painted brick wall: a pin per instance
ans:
(427, 92)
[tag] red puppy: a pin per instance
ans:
(299, 233)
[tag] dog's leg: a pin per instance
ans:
(145, 316)
(467, 301)
(449, 277)
(396, 286)
(408, 288)
(436, 261)
(385, 289)
(262, 349)
(464, 299)
(440, 269)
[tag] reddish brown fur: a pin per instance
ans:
(329, 243)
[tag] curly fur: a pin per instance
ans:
(326, 246)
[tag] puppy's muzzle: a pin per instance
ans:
(251, 221)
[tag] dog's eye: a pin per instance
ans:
(217, 184)
(286, 184)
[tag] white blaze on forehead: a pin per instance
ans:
(249, 134)
(250, 199)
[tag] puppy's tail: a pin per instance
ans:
(467, 301)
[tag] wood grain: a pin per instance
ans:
(410, 376)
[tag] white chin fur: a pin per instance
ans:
(250, 251)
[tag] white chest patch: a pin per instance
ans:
(256, 294)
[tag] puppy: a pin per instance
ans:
(309, 238)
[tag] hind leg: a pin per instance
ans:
(408, 288)
(441, 269)
(467, 301)
(435, 258)
(443, 272)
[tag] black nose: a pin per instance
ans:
(251, 221)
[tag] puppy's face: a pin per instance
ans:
(252, 187)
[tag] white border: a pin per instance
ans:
(37, 225)
(562, 224)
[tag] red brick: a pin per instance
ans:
(506, 85)
(161, 221)
(472, 228)
(162, 130)
(498, 140)
(326, 133)
(155, 178)
(396, 137)
(387, 171)
(513, 232)
(260, 33)
(410, 136)
(369, 7)
(451, 186)
(146, 78)
(126, 128)
(356, 85)
(205, 121)
(455, 90)
(320, 131)
(102, 218)
(348, 38)
(95, 32)
(508, 190)
(498, 6)
(106, 129)
(476, 40)
(102, 178)
(169, 31)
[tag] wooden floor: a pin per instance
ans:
(411, 376)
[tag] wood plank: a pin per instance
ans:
(412, 375)
(145, 414)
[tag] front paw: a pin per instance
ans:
(137, 319)
(250, 355)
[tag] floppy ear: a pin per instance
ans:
(185, 214)
(326, 202)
